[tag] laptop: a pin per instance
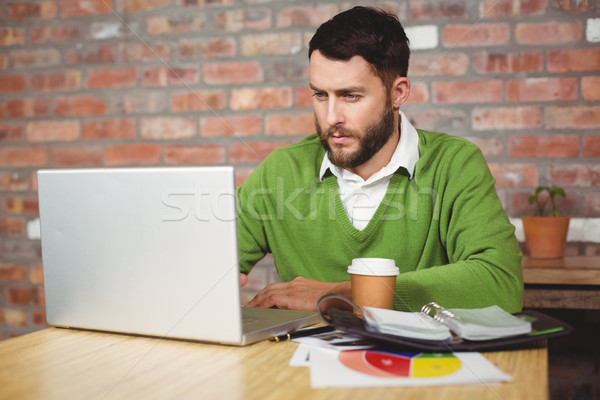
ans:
(149, 251)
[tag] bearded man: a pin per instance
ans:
(369, 184)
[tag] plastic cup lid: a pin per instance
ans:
(373, 266)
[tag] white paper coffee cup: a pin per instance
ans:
(373, 282)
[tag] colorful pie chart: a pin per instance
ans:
(405, 365)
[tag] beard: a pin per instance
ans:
(375, 136)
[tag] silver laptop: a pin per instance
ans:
(149, 251)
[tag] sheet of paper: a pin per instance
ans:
(332, 340)
(364, 368)
(301, 356)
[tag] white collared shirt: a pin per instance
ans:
(362, 197)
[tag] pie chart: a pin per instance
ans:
(395, 365)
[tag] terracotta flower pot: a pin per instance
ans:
(546, 237)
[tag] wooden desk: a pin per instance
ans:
(62, 364)
(570, 282)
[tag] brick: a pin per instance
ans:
(230, 73)
(289, 70)
(419, 94)
(200, 3)
(271, 44)
(11, 132)
(481, 34)
(84, 8)
(53, 34)
(25, 296)
(42, 10)
(141, 5)
(43, 57)
(572, 6)
(551, 32)
(495, 63)
(490, 147)
(143, 52)
(39, 318)
(14, 180)
(167, 128)
(36, 274)
(591, 146)
(138, 102)
(515, 175)
(68, 80)
(52, 131)
(195, 49)
(541, 89)
(549, 146)
(503, 118)
(22, 205)
(237, 20)
(451, 64)
(264, 98)
(113, 29)
(510, 8)
(111, 78)
(30, 107)
(12, 83)
(440, 120)
(303, 97)
(158, 25)
(305, 16)
(12, 36)
(591, 204)
(590, 88)
(71, 156)
(143, 153)
(23, 156)
(430, 9)
(252, 152)
(574, 175)
(198, 100)
(519, 204)
(195, 155)
(108, 129)
(290, 124)
(3, 61)
(18, 249)
(100, 55)
(13, 272)
(170, 76)
(572, 117)
(13, 317)
(236, 125)
(79, 106)
(12, 227)
(467, 92)
(574, 60)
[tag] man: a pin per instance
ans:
(369, 184)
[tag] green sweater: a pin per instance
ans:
(446, 228)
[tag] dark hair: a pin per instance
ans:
(373, 34)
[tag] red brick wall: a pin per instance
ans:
(90, 83)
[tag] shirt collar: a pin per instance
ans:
(406, 154)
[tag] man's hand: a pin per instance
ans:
(299, 294)
(243, 279)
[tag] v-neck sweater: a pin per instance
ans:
(445, 228)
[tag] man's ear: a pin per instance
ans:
(400, 91)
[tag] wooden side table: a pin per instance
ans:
(569, 282)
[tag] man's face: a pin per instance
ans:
(353, 113)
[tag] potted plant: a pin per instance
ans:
(546, 233)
